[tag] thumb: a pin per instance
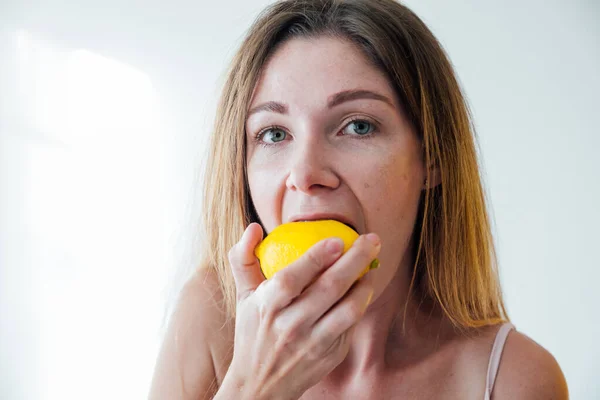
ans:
(244, 264)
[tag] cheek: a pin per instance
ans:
(391, 196)
(396, 197)
(264, 185)
(392, 211)
(395, 182)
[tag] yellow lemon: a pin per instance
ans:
(288, 242)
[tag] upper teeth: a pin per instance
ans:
(322, 219)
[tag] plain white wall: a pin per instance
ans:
(105, 109)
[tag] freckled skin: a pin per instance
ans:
(401, 347)
(317, 167)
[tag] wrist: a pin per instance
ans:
(234, 388)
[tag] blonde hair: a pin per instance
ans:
(455, 261)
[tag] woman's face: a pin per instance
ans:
(327, 139)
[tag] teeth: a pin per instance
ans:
(348, 225)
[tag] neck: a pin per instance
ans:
(397, 331)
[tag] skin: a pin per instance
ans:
(300, 337)
(323, 165)
(316, 162)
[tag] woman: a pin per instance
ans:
(347, 110)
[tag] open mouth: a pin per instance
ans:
(334, 219)
(350, 226)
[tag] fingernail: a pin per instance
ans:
(374, 239)
(335, 245)
(248, 228)
(246, 234)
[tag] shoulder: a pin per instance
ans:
(202, 315)
(528, 371)
(201, 290)
(193, 354)
(199, 307)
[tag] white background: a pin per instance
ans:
(105, 108)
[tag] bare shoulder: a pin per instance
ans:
(205, 296)
(201, 309)
(193, 352)
(528, 371)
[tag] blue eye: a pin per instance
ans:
(359, 127)
(273, 135)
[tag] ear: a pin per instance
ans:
(433, 177)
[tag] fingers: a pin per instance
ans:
(305, 313)
(345, 315)
(244, 264)
(335, 281)
(289, 283)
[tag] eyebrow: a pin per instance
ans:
(332, 101)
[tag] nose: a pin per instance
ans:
(311, 168)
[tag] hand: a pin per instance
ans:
(294, 329)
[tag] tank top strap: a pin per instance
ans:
(495, 357)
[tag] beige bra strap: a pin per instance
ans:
(495, 356)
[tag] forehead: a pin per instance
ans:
(305, 72)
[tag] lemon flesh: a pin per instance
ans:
(288, 242)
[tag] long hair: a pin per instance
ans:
(455, 261)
